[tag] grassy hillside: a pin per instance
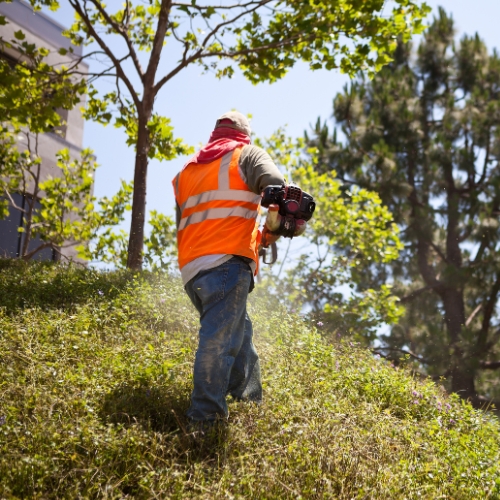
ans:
(96, 377)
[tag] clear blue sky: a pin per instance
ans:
(194, 101)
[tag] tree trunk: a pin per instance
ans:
(462, 371)
(28, 215)
(462, 367)
(136, 238)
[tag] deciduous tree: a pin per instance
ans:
(264, 38)
(60, 210)
(349, 232)
(31, 93)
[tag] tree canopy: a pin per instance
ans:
(425, 135)
(263, 38)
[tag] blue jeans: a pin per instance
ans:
(226, 360)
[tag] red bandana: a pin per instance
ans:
(222, 141)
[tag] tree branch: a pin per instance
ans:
(76, 61)
(95, 76)
(124, 35)
(127, 15)
(465, 235)
(159, 38)
(28, 256)
(493, 340)
(438, 251)
(489, 309)
(85, 18)
(13, 203)
(486, 161)
(199, 54)
(402, 351)
(473, 315)
(489, 365)
(216, 7)
(233, 20)
(415, 294)
(482, 247)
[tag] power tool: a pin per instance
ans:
(289, 210)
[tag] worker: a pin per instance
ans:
(218, 195)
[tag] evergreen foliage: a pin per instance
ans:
(425, 135)
(96, 377)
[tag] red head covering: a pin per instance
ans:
(231, 131)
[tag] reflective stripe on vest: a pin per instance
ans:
(217, 213)
(229, 195)
(224, 171)
(222, 194)
(176, 183)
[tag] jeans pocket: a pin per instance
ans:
(209, 285)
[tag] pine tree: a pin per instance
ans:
(425, 134)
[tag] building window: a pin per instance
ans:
(11, 240)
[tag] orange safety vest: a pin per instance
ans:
(219, 212)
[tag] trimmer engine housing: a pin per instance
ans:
(292, 201)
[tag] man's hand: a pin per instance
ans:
(288, 227)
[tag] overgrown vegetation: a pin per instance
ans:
(96, 376)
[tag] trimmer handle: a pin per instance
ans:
(263, 252)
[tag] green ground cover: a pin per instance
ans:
(96, 375)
